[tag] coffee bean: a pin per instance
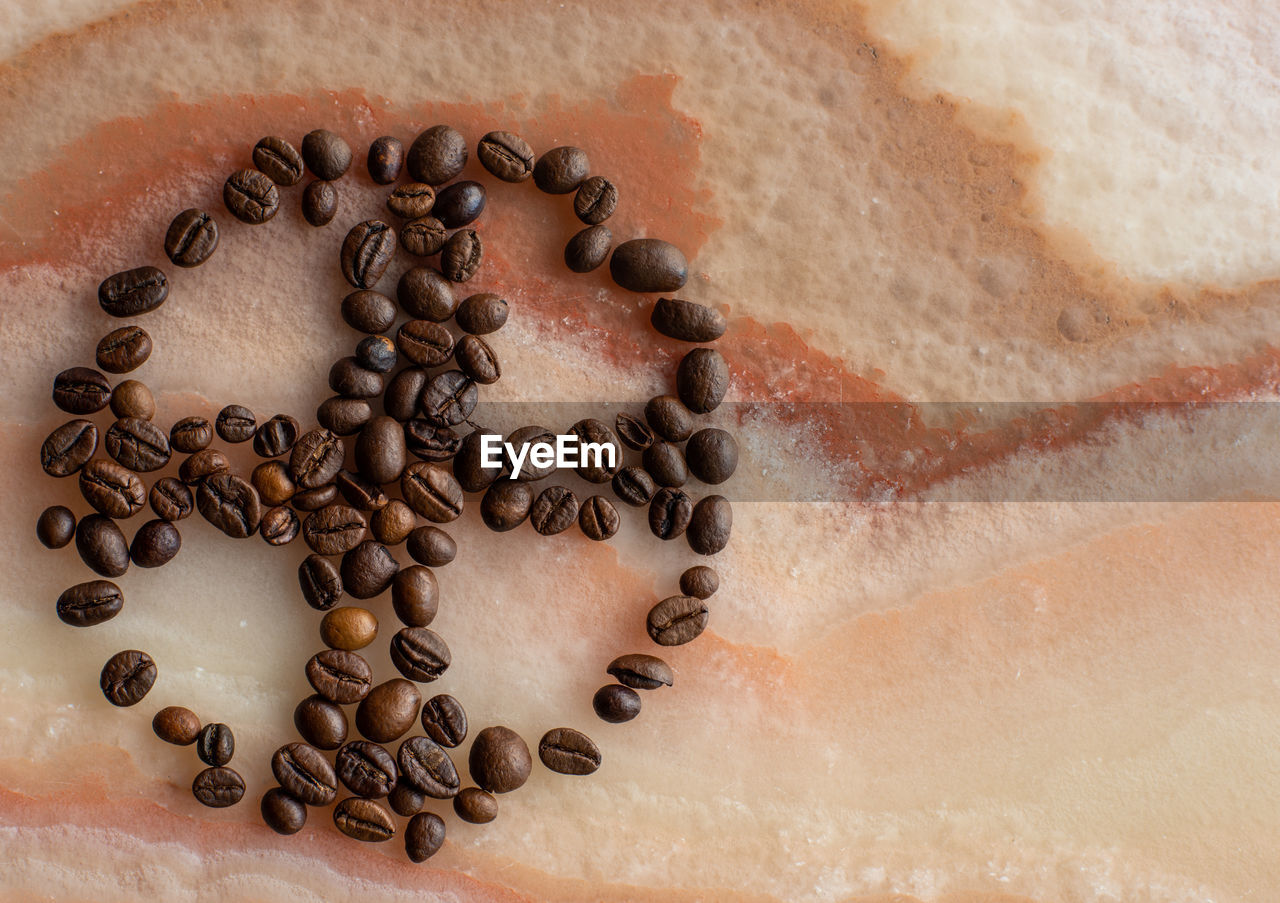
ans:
(102, 545)
(68, 448)
(531, 435)
(475, 806)
(481, 314)
(230, 504)
(506, 156)
(425, 294)
(235, 423)
(412, 200)
(80, 390)
(633, 431)
(368, 569)
(138, 445)
(468, 464)
(477, 360)
(634, 486)
(392, 524)
(499, 760)
(283, 812)
(702, 380)
(315, 499)
(344, 416)
(350, 380)
(123, 350)
(133, 399)
(360, 492)
(460, 204)
(444, 720)
(616, 704)
(279, 159)
(669, 418)
(430, 442)
(132, 293)
(428, 768)
(366, 769)
(321, 584)
(603, 463)
(364, 820)
(326, 154)
(333, 530)
(386, 159)
(669, 513)
(216, 744)
(272, 480)
(177, 725)
(415, 596)
(368, 311)
(431, 546)
(710, 525)
(598, 519)
(712, 455)
(648, 265)
(90, 603)
(554, 511)
(641, 672)
(127, 677)
(190, 434)
(666, 464)
(191, 239)
(319, 203)
(376, 353)
(388, 712)
(156, 543)
(56, 527)
(449, 398)
(401, 397)
(405, 799)
(462, 254)
(366, 251)
(303, 771)
(677, 620)
(595, 201)
(279, 526)
(202, 465)
(339, 675)
(506, 505)
(687, 320)
(276, 437)
(423, 836)
(316, 459)
(437, 155)
(111, 489)
(699, 581)
(250, 196)
(380, 450)
(424, 236)
(419, 654)
(320, 722)
(567, 751)
(561, 170)
(218, 787)
(348, 628)
(588, 249)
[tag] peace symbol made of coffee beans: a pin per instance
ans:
(348, 519)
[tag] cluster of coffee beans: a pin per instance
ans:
(405, 476)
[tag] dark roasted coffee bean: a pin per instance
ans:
(171, 500)
(250, 196)
(203, 464)
(133, 399)
(366, 251)
(669, 418)
(367, 769)
(461, 256)
(315, 499)
(320, 722)
(427, 767)
(633, 431)
(561, 170)
(699, 581)
(702, 380)
(499, 760)
(368, 311)
(598, 449)
(687, 320)
(123, 350)
(316, 459)
(598, 518)
(616, 704)
(68, 448)
(368, 569)
(81, 390)
(424, 236)
(138, 445)
(380, 450)
(190, 435)
(333, 530)
(506, 156)
(279, 526)
(361, 492)
(386, 159)
(319, 203)
(191, 239)
(425, 294)
(127, 677)
(283, 812)
(420, 654)
(388, 711)
(392, 524)
(412, 200)
(460, 204)
(216, 744)
(156, 543)
(326, 154)
(320, 581)
(405, 799)
(710, 525)
(218, 787)
(401, 397)
(648, 265)
(567, 751)
(303, 770)
(111, 489)
(640, 672)
(423, 836)
(235, 423)
(230, 504)
(376, 353)
(476, 359)
(595, 200)
(56, 527)
(481, 314)
(177, 725)
(437, 155)
(588, 249)
(274, 485)
(665, 463)
(350, 380)
(506, 505)
(276, 437)
(364, 820)
(431, 546)
(448, 398)
(712, 455)
(444, 720)
(340, 675)
(429, 442)
(87, 604)
(469, 466)
(279, 159)
(415, 596)
(344, 416)
(677, 620)
(102, 545)
(532, 436)
(669, 513)
(132, 293)
(475, 806)
(348, 628)
(634, 486)
(554, 511)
